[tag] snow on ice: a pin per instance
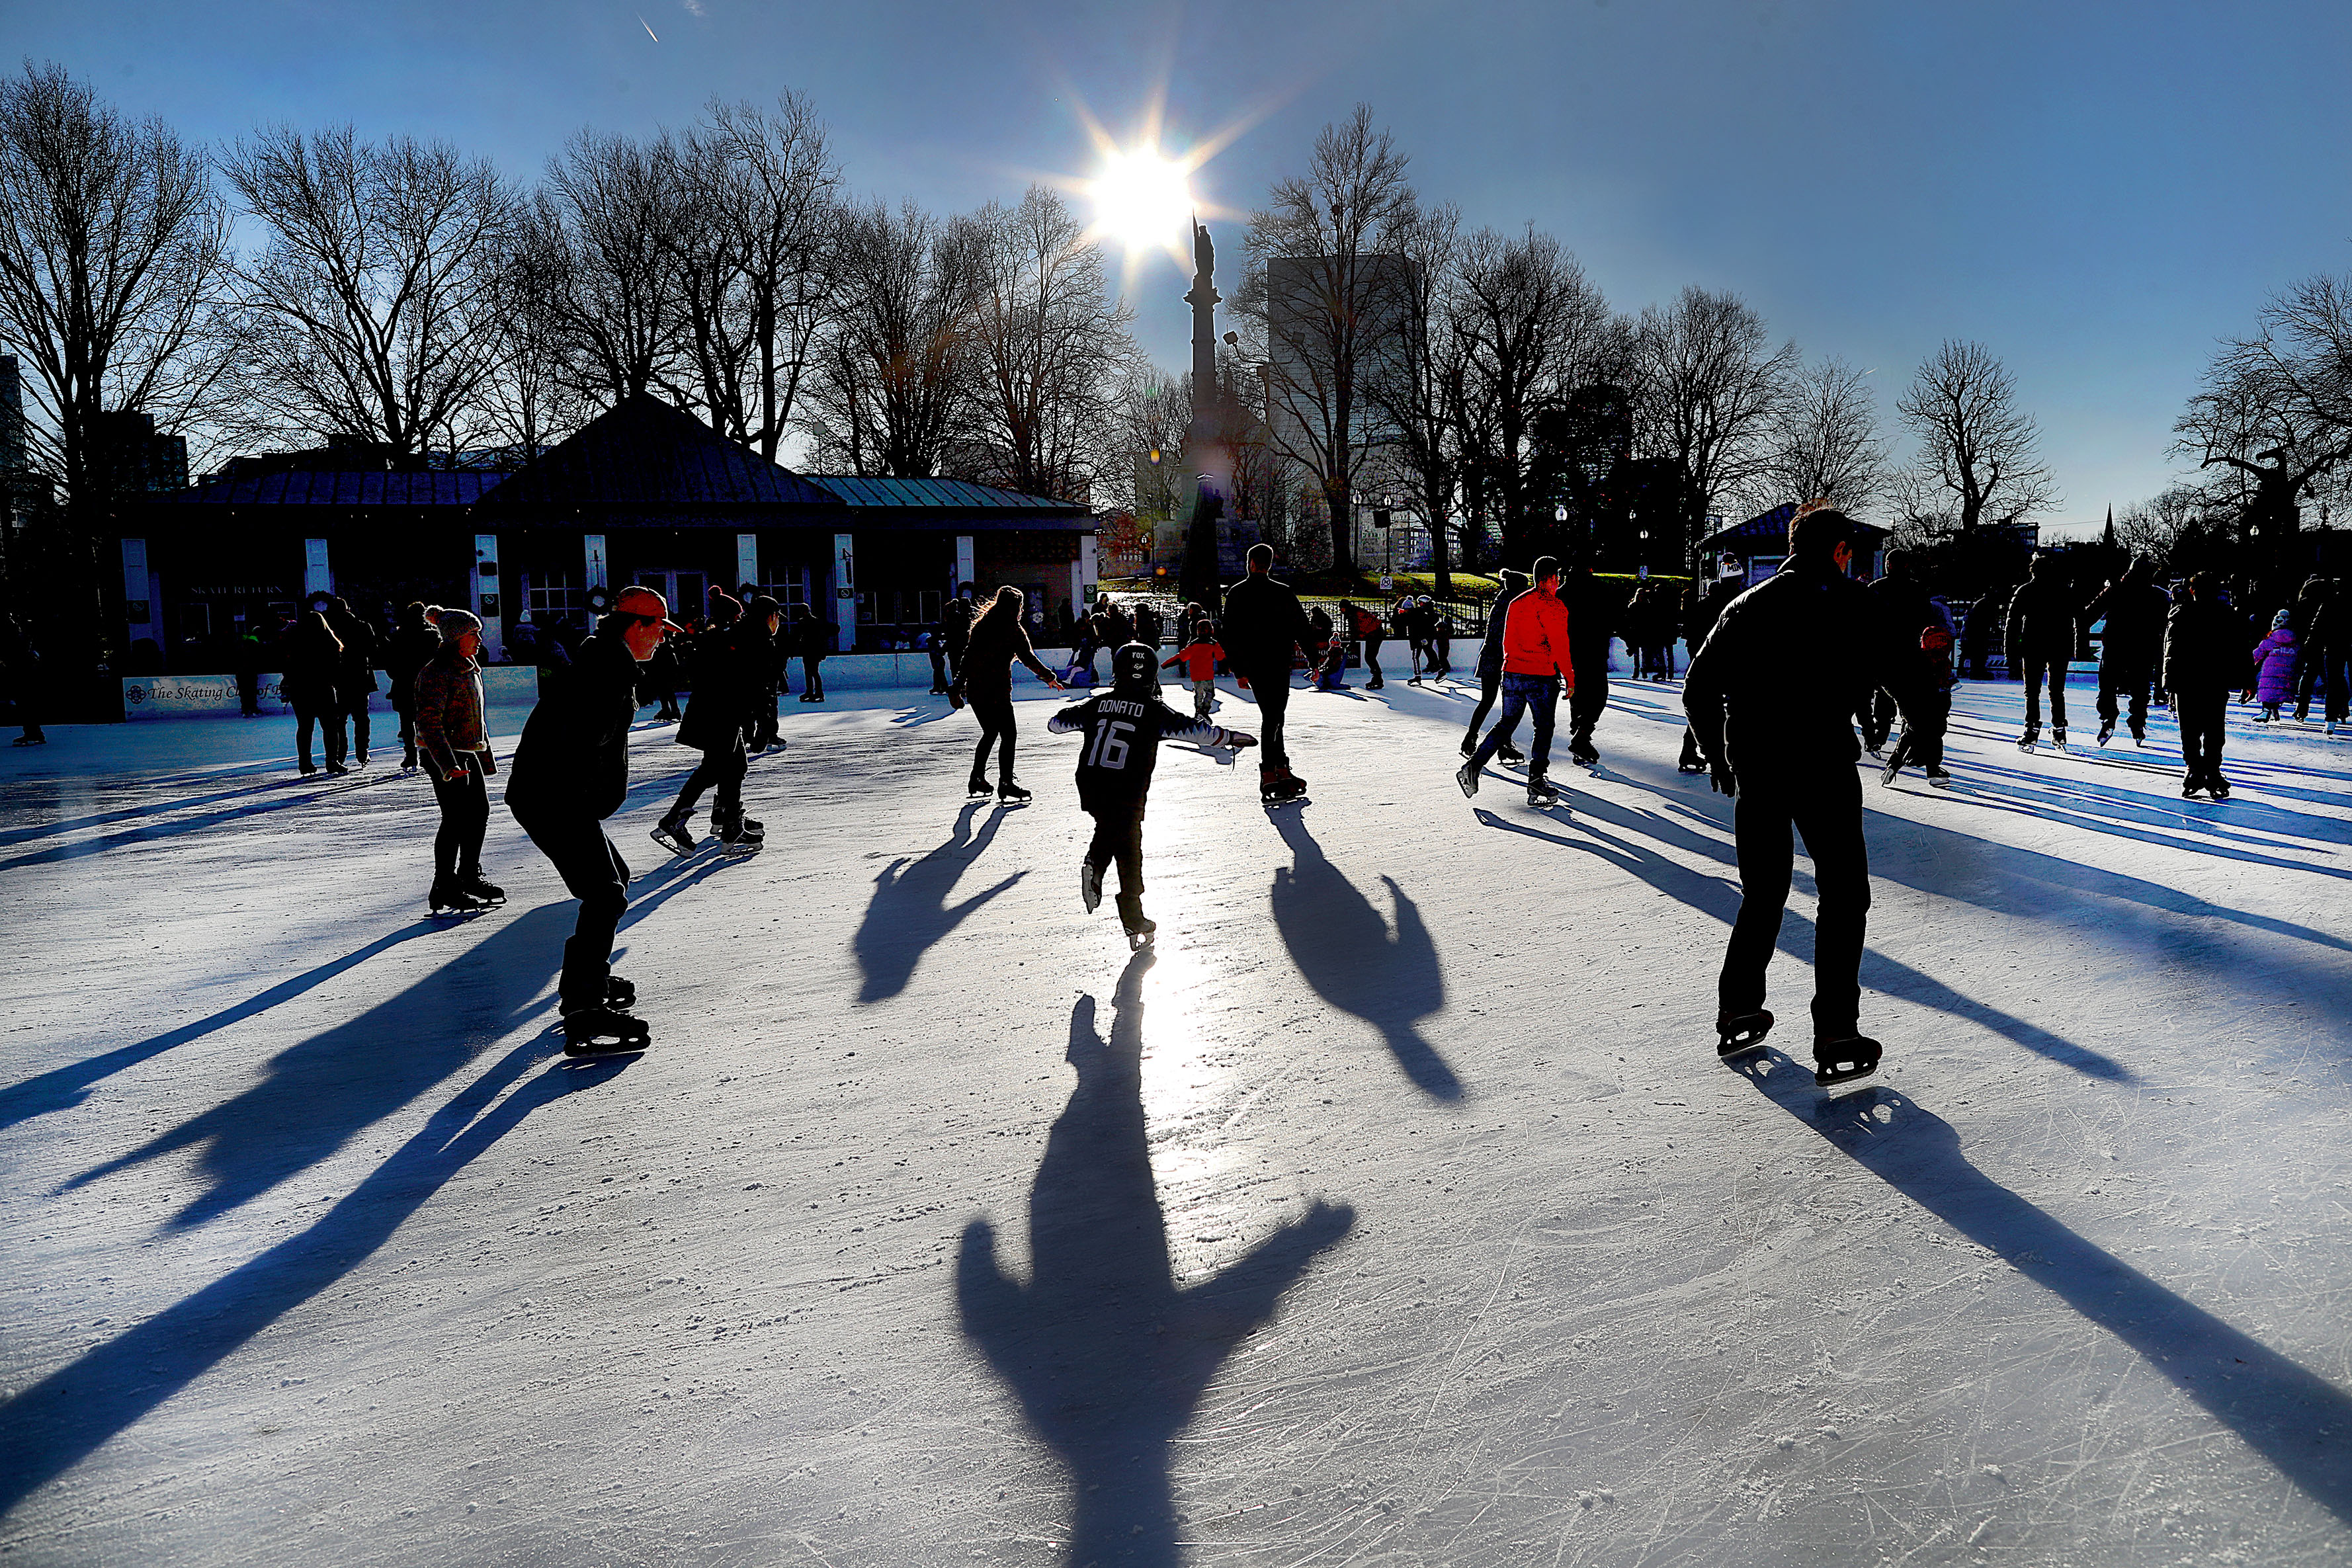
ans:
(1396, 1210)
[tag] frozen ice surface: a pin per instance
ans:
(1395, 1211)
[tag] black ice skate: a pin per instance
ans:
(603, 1031)
(1580, 750)
(671, 834)
(1940, 780)
(1091, 885)
(1008, 793)
(977, 787)
(1467, 777)
(2107, 732)
(1843, 1059)
(1507, 753)
(448, 898)
(620, 994)
(1139, 935)
(738, 836)
(2218, 787)
(1736, 1034)
(1540, 794)
(474, 885)
(2058, 740)
(1892, 771)
(2030, 739)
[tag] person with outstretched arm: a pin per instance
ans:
(998, 637)
(1124, 729)
(1771, 698)
(569, 772)
(1263, 623)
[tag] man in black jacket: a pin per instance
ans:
(2206, 645)
(1263, 623)
(2134, 608)
(728, 659)
(1490, 666)
(569, 772)
(1593, 611)
(1774, 718)
(2043, 626)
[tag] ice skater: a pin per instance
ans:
(1536, 664)
(2134, 608)
(1780, 742)
(1123, 730)
(2274, 665)
(571, 772)
(1931, 714)
(1200, 658)
(724, 706)
(1263, 623)
(998, 637)
(1595, 610)
(2205, 643)
(310, 654)
(455, 745)
(412, 642)
(2042, 631)
(1369, 630)
(1490, 668)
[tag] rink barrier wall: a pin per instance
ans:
(196, 696)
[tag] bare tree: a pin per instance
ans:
(1145, 441)
(1979, 453)
(531, 400)
(1711, 388)
(754, 190)
(113, 251)
(1326, 293)
(2275, 409)
(601, 236)
(1416, 392)
(372, 308)
(1531, 327)
(1825, 441)
(2154, 528)
(1047, 340)
(892, 381)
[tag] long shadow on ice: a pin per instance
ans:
(63, 1087)
(1343, 945)
(1106, 1355)
(2299, 1422)
(1713, 896)
(909, 909)
(61, 1420)
(176, 826)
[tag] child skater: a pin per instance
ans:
(1200, 658)
(1123, 731)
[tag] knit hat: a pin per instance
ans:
(2281, 619)
(456, 622)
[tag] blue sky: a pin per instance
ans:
(2094, 191)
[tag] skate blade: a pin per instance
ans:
(591, 1047)
(1857, 1058)
(1743, 1035)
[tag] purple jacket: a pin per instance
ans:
(2275, 667)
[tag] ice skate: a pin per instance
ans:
(1844, 1059)
(475, 885)
(448, 898)
(2107, 732)
(1938, 779)
(1139, 935)
(2218, 787)
(1277, 785)
(2029, 740)
(620, 995)
(1009, 793)
(44, 740)
(1467, 777)
(671, 834)
(1091, 885)
(1891, 772)
(2057, 740)
(2191, 788)
(1736, 1034)
(977, 787)
(1509, 754)
(1540, 794)
(603, 1031)
(1580, 750)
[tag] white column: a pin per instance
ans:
(598, 574)
(1083, 573)
(963, 572)
(841, 578)
(488, 603)
(140, 612)
(747, 559)
(316, 577)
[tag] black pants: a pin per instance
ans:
(1489, 688)
(1591, 663)
(2038, 665)
(721, 767)
(2202, 715)
(1923, 732)
(357, 712)
(1118, 836)
(2322, 671)
(812, 682)
(408, 735)
(2120, 682)
(995, 714)
(1521, 693)
(1876, 716)
(1271, 686)
(1823, 804)
(330, 728)
(764, 731)
(939, 669)
(594, 872)
(1372, 659)
(248, 695)
(464, 818)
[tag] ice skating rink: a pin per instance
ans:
(1397, 1212)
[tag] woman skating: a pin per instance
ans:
(998, 637)
(312, 655)
(456, 748)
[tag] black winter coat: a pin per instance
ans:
(727, 680)
(573, 759)
(2205, 647)
(311, 664)
(1775, 688)
(2135, 609)
(996, 641)
(406, 655)
(2042, 617)
(1262, 623)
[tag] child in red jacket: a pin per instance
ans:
(1200, 658)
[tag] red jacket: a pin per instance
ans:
(1535, 636)
(1199, 659)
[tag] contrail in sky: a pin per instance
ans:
(648, 27)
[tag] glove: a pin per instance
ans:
(1719, 776)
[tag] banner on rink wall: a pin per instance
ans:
(198, 696)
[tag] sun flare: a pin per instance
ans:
(1142, 200)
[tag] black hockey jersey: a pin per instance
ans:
(1122, 744)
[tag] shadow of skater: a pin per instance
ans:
(57, 1423)
(2299, 1422)
(1343, 947)
(320, 1094)
(1106, 1355)
(909, 909)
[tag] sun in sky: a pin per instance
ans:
(1143, 200)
